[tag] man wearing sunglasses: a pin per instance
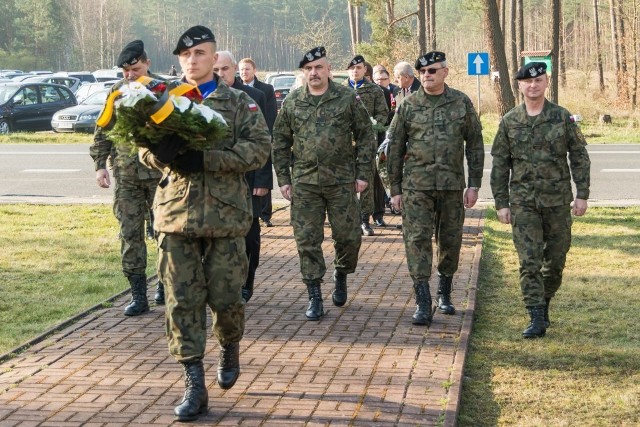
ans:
(428, 139)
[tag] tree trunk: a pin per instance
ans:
(624, 76)
(422, 18)
(634, 88)
(562, 69)
(514, 50)
(555, 51)
(596, 22)
(503, 15)
(352, 26)
(520, 28)
(614, 43)
(495, 41)
(432, 25)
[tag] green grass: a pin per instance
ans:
(46, 138)
(586, 370)
(55, 262)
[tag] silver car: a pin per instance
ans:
(82, 117)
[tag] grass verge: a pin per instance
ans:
(55, 262)
(46, 138)
(586, 370)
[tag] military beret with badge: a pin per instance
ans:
(131, 54)
(430, 58)
(358, 59)
(531, 70)
(193, 37)
(312, 55)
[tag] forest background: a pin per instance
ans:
(594, 42)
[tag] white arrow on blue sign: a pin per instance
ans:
(478, 64)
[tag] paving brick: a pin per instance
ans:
(364, 364)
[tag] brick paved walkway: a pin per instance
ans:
(364, 364)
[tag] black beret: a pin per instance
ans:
(531, 70)
(131, 54)
(430, 58)
(193, 37)
(312, 55)
(358, 59)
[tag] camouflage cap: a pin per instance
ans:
(531, 70)
(193, 37)
(430, 58)
(312, 55)
(131, 54)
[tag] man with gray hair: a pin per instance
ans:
(407, 82)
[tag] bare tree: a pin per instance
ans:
(624, 77)
(495, 40)
(555, 51)
(423, 18)
(614, 43)
(432, 23)
(596, 23)
(520, 27)
(634, 26)
(514, 48)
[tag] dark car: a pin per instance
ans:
(30, 106)
(282, 87)
(81, 117)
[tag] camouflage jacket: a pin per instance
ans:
(320, 138)
(530, 159)
(426, 144)
(124, 163)
(373, 99)
(217, 202)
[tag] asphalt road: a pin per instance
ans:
(65, 174)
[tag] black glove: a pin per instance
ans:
(191, 161)
(167, 149)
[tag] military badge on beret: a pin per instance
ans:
(430, 58)
(193, 37)
(312, 55)
(531, 70)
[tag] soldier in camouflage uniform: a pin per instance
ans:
(317, 123)
(426, 151)
(135, 186)
(531, 184)
(373, 99)
(202, 213)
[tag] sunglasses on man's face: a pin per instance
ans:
(431, 70)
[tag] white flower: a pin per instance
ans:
(134, 92)
(208, 113)
(373, 121)
(182, 103)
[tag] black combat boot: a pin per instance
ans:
(339, 295)
(196, 397)
(444, 295)
(424, 313)
(536, 327)
(315, 310)
(247, 291)
(229, 365)
(159, 296)
(139, 303)
(547, 322)
(366, 228)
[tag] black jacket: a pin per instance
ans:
(271, 108)
(263, 177)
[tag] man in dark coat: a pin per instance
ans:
(261, 180)
(247, 67)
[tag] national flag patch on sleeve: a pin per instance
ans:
(253, 107)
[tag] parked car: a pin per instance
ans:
(108, 74)
(82, 117)
(40, 72)
(281, 87)
(87, 89)
(270, 76)
(83, 76)
(3, 73)
(30, 106)
(339, 77)
(70, 82)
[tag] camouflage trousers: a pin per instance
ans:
(132, 199)
(310, 205)
(197, 273)
(542, 238)
(429, 212)
(366, 197)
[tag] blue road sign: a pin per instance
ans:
(478, 64)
